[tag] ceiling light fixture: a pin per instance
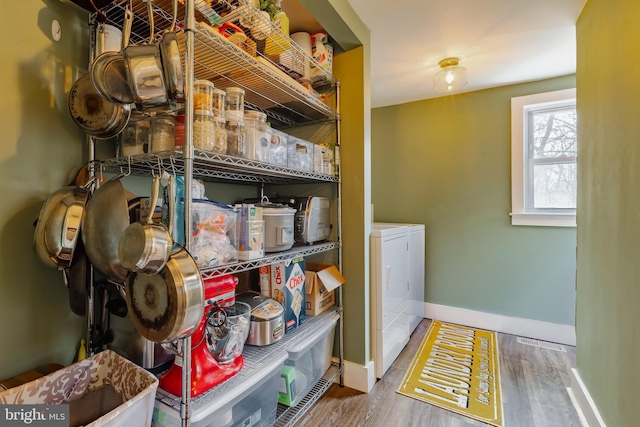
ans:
(451, 77)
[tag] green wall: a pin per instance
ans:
(446, 163)
(40, 152)
(608, 296)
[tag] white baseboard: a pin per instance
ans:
(358, 377)
(546, 331)
(581, 399)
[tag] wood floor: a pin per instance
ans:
(534, 382)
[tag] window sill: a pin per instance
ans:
(543, 219)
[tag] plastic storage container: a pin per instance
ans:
(218, 101)
(250, 399)
(278, 148)
(322, 159)
(258, 135)
(234, 104)
(162, 133)
(310, 359)
(299, 154)
(220, 135)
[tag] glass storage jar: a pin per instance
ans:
(236, 139)
(234, 110)
(220, 144)
(203, 95)
(162, 132)
(218, 101)
(134, 139)
(203, 130)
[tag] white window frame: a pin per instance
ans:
(519, 214)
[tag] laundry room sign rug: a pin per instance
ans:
(456, 368)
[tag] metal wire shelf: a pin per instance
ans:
(267, 86)
(212, 166)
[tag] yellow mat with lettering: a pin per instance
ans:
(457, 369)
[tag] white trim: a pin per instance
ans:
(546, 331)
(358, 377)
(582, 401)
(549, 220)
(518, 215)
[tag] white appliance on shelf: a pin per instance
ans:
(397, 288)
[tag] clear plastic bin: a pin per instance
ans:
(322, 159)
(249, 399)
(299, 154)
(258, 135)
(278, 148)
(310, 359)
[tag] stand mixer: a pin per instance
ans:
(210, 368)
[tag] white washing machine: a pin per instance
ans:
(397, 288)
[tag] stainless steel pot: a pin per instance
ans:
(266, 324)
(144, 72)
(171, 61)
(58, 225)
(145, 246)
(169, 305)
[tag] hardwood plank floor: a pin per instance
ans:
(533, 381)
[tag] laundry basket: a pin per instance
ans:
(103, 390)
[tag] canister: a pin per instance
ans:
(234, 110)
(218, 102)
(134, 139)
(236, 139)
(220, 135)
(203, 95)
(203, 130)
(162, 132)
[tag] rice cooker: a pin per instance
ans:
(266, 324)
(279, 234)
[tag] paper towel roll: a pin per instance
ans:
(296, 62)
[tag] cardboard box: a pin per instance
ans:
(321, 282)
(288, 288)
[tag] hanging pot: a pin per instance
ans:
(144, 245)
(171, 61)
(58, 225)
(105, 219)
(107, 71)
(169, 305)
(144, 72)
(98, 117)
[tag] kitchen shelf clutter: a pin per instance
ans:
(235, 46)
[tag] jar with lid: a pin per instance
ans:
(162, 132)
(220, 144)
(258, 135)
(203, 130)
(234, 111)
(134, 139)
(203, 95)
(236, 139)
(218, 102)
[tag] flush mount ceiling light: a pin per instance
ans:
(451, 77)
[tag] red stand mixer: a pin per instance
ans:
(208, 368)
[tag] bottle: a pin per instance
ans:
(318, 50)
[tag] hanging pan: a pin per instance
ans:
(171, 61)
(169, 305)
(144, 245)
(98, 117)
(107, 71)
(144, 71)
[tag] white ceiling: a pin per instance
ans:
(499, 42)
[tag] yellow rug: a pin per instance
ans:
(456, 368)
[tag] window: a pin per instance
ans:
(543, 159)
